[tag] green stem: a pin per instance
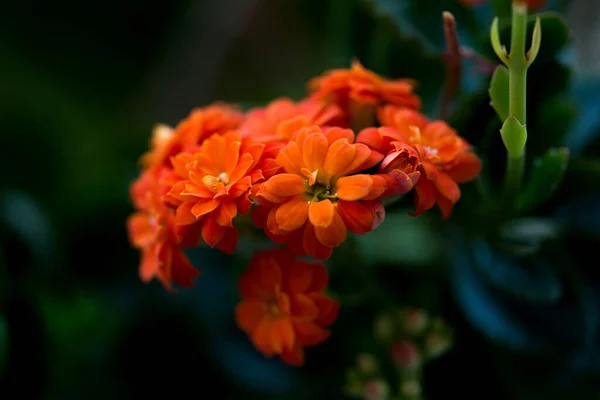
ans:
(515, 165)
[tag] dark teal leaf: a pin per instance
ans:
(545, 176)
(499, 91)
(584, 138)
(555, 35)
(3, 344)
(483, 308)
(535, 281)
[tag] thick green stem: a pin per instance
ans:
(515, 165)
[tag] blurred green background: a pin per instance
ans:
(81, 86)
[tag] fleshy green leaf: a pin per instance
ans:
(545, 177)
(514, 136)
(499, 91)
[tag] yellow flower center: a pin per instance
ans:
(216, 182)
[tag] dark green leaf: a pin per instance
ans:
(555, 35)
(499, 91)
(525, 280)
(555, 117)
(3, 343)
(544, 178)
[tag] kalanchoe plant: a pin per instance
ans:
(316, 177)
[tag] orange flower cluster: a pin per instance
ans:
(308, 173)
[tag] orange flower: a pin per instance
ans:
(319, 196)
(414, 144)
(272, 123)
(151, 229)
(358, 91)
(283, 307)
(200, 124)
(213, 186)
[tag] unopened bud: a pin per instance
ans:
(376, 390)
(436, 344)
(366, 364)
(414, 321)
(383, 328)
(405, 355)
(411, 388)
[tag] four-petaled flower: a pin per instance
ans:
(318, 196)
(283, 307)
(214, 186)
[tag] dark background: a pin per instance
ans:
(81, 86)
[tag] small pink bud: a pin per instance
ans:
(376, 390)
(405, 355)
(414, 321)
(366, 364)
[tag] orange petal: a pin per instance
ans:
(184, 215)
(447, 187)
(295, 356)
(314, 151)
(363, 159)
(334, 234)
(248, 314)
(183, 272)
(467, 167)
(445, 206)
(261, 337)
(282, 335)
(241, 168)
(292, 214)
(284, 185)
(212, 233)
(320, 278)
(425, 196)
(290, 158)
(148, 264)
(139, 229)
(299, 276)
(203, 207)
(339, 156)
(335, 133)
(232, 157)
(320, 213)
(226, 212)
(353, 187)
(312, 246)
(215, 147)
(269, 274)
(357, 217)
(328, 309)
(309, 334)
(301, 306)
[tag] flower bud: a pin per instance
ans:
(414, 321)
(383, 328)
(411, 388)
(376, 389)
(405, 355)
(436, 344)
(366, 364)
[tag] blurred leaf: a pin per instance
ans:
(499, 91)
(555, 35)
(3, 344)
(584, 138)
(483, 308)
(554, 118)
(536, 282)
(403, 241)
(545, 176)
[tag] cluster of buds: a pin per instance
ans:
(412, 338)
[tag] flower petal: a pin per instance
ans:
(292, 215)
(203, 207)
(312, 246)
(353, 187)
(467, 167)
(314, 151)
(334, 234)
(248, 314)
(339, 155)
(447, 187)
(290, 158)
(320, 213)
(212, 233)
(226, 212)
(309, 334)
(284, 185)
